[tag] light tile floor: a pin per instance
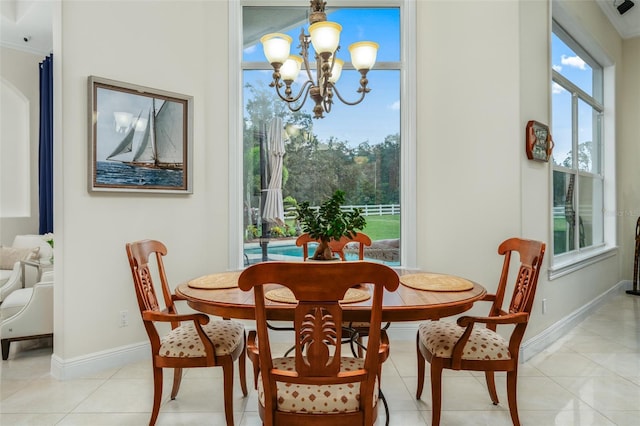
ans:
(589, 377)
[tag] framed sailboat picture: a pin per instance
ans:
(140, 138)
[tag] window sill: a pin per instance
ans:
(577, 262)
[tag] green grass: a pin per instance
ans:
(559, 224)
(378, 227)
(382, 227)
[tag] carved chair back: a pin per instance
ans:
(318, 287)
(141, 256)
(337, 247)
(531, 254)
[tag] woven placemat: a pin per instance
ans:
(216, 281)
(285, 295)
(436, 282)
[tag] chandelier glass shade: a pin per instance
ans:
(324, 38)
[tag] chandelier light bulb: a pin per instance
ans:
(276, 47)
(336, 70)
(291, 68)
(363, 54)
(325, 36)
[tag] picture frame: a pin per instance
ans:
(140, 139)
(538, 141)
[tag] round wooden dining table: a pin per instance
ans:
(404, 304)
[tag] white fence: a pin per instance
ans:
(367, 210)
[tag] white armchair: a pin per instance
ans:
(11, 271)
(27, 313)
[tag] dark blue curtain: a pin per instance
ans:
(46, 145)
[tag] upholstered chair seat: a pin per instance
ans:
(318, 399)
(439, 337)
(27, 313)
(184, 341)
(15, 302)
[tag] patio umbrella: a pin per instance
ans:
(273, 210)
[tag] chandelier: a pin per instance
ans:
(324, 36)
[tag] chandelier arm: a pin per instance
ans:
(326, 104)
(301, 104)
(303, 90)
(304, 52)
(344, 101)
(307, 66)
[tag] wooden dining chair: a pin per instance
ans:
(337, 247)
(466, 347)
(318, 385)
(194, 340)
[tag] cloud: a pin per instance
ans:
(250, 49)
(395, 106)
(573, 61)
(556, 88)
(557, 67)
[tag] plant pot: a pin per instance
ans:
(323, 252)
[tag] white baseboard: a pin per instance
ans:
(538, 343)
(64, 369)
(86, 365)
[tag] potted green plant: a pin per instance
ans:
(329, 222)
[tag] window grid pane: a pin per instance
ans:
(327, 154)
(588, 157)
(561, 128)
(577, 132)
(564, 213)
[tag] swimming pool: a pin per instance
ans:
(292, 252)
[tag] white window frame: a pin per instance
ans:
(566, 263)
(408, 216)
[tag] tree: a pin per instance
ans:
(314, 170)
(585, 150)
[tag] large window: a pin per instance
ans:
(357, 149)
(578, 166)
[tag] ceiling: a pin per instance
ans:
(27, 24)
(628, 25)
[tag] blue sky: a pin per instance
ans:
(565, 61)
(378, 115)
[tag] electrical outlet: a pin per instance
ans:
(544, 306)
(124, 318)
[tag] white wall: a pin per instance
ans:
(483, 73)
(164, 45)
(629, 153)
(468, 159)
(19, 71)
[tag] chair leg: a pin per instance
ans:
(255, 363)
(5, 348)
(421, 368)
(177, 379)
(436, 392)
(157, 394)
(256, 373)
(491, 385)
(242, 365)
(227, 369)
(360, 346)
(512, 382)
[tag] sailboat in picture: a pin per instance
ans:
(161, 144)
